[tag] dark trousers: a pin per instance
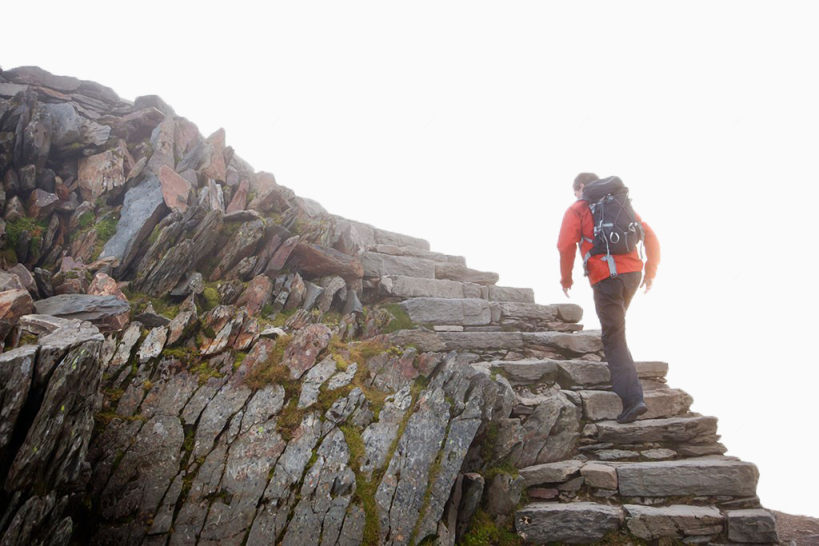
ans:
(611, 299)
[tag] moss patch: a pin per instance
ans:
(400, 321)
(25, 224)
(484, 532)
(272, 371)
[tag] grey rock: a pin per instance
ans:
(549, 434)
(615, 454)
(193, 283)
(415, 287)
(503, 493)
(16, 372)
(126, 345)
(503, 293)
(302, 352)
(381, 265)
(229, 400)
(599, 475)
(141, 210)
(264, 404)
(676, 430)
(469, 312)
(658, 454)
(675, 521)
(598, 405)
(379, 436)
(528, 371)
(241, 245)
(342, 378)
(400, 495)
(153, 344)
(71, 132)
(752, 526)
(313, 379)
(461, 273)
(477, 341)
(571, 523)
(577, 343)
(556, 472)
(384, 237)
(705, 477)
(569, 312)
(54, 346)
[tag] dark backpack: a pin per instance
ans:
(616, 228)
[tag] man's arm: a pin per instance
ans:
(567, 246)
(652, 247)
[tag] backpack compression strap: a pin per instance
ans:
(608, 258)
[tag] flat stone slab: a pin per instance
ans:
(82, 307)
(414, 287)
(459, 272)
(700, 477)
(754, 526)
(675, 521)
(570, 523)
(675, 429)
(464, 312)
(598, 475)
(526, 372)
(458, 341)
(600, 405)
(527, 311)
(576, 343)
(506, 293)
(381, 265)
(557, 472)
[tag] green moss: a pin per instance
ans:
(272, 371)
(86, 220)
(268, 309)
(289, 419)
(211, 296)
(400, 321)
(205, 372)
(238, 358)
(24, 224)
(365, 488)
(484, 532)
(106, 228)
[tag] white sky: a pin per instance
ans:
(465, 122)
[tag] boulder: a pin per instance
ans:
(305, 347)
(257, 294)
(752, 526)
(103, 311)
(175, 189)
(13, 304)
(318, 261)
(141, 210)
(71, 133)
(100, 173)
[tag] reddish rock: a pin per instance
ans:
(256, 295)
(175, 189)
(261, 351)
(215, 167)
(268, 195)
(182, 324)
(103, 285)
(186, 137)
(319, 261)
(303, 351)
(542, 493)
(41, 203)
(100, 173)
(13, 305)
(281, 255)
(247, 334)
(239, 201)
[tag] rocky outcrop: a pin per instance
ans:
(215, 360)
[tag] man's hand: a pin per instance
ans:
(566, 291)
(647, 283)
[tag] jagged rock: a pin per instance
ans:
(675, 521)
(104, 285)
(213, 165)
(175, 189)
(16, 371)
(269, 196)
(100, 173)
(317, 261)
(41, 203)
(153, 344)
(224, 405)
(379, 436)
(550, 433)
(194, 283)
(10, 281)
(225, 325)
(141, 210)
(71, 132)
(14, 209)
(313, 379)
(296, 293)
(281, 255)
(13, 304)
(126, 345)
(302, 352)
(598, 405)
(573, 523)
(504, 493)
(239, 201)
(391, 373)
(755, 526)
(103, 311)
(162, 144)
(256, 295)
(241, 245)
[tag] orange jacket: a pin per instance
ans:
(578, 226)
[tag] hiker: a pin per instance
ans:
(614, 277)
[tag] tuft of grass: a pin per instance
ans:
(365, 489)
(85, 220)
(204, 371)
(483, 531)
(106, 228)
(400, 321)
(24, 224)
(272, 371)
(211, 296)
(290, 418)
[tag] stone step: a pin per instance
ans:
(570, 523)
(394, 250)
(457, 304)
(572, 374)
(677, 521)
(675, 430)
(708, 476)
(605, 405)
(572, 344)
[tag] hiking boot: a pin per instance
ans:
(631, 414)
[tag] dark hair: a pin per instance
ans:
(583, 179)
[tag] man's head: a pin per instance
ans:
(581, 180)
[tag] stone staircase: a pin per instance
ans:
(661, 478)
